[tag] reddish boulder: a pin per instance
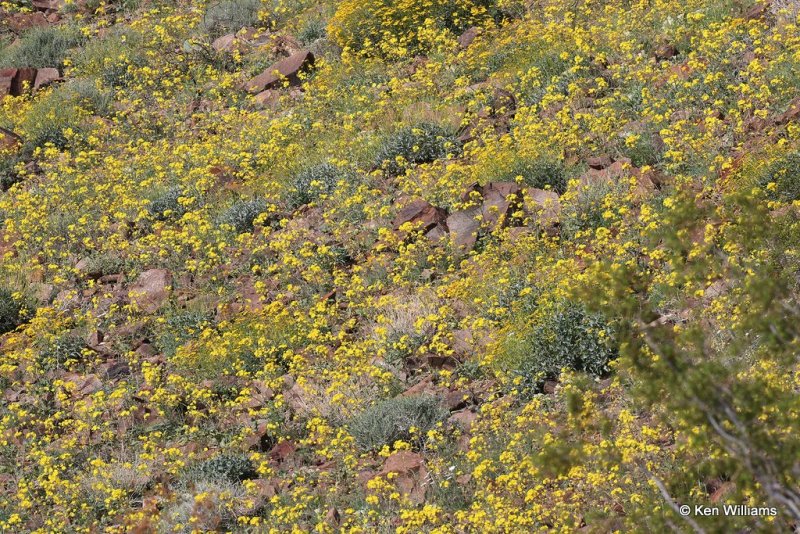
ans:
(289, 69)
(6, 80)
(599, 162)
(225, 43)
(45, 77)
(758, 11)
(500, 201)
(544, 205)
(411, 473)
(9, 140)
(466, 38)
(48, 5)
(151, 289)
(464, 226)
(19, 22)
(420, 211)
(23, 81)
(665, 52)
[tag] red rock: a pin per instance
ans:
(758, 11)
(9, 140)
(464, 226)
(599, 162)
(150, 290)
(466, 38)
(289, 68)
(544, 205)
(791, 113)
(283, 451)
(44, 77)
(224, 43)
(420, 211)
(19, 22)
(6, 79)
(411, 474)
(23, 81)
(85, 385)
(615, 171)
(332, 517)
(146, 350)
(464, 419)
(550, 386)
(456, 400)
(500, 200)
(48, 5)
(665, 51)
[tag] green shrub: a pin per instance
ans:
(40, 47)
(538, 173)
(166, 206)
(62, 353)
(785, 173)
(562, 335)
(391, 420)
(10, 312)
(8, 171)
(230, 16)
(412, 145)
(312, 30)
(179, 328)
(314, 181)
(586, 211)
(67, 106)
(110, 58)
(226, 467)
(242, 213)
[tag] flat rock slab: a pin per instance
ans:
(289, 68)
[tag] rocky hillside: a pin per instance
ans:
(399, 265)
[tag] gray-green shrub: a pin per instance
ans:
(242, 213)
(40, 47)
(421, 143)
(314, 181)
(564, 336)
(392, 419)
(229, 467)
(230, 16)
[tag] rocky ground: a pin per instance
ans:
(398, 265)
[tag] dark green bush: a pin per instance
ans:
(241, 214)
(314, 181)
(412, 145)
(391, 420)
(10, 312)
(230, 16)
(563, 336)
(226, 467)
